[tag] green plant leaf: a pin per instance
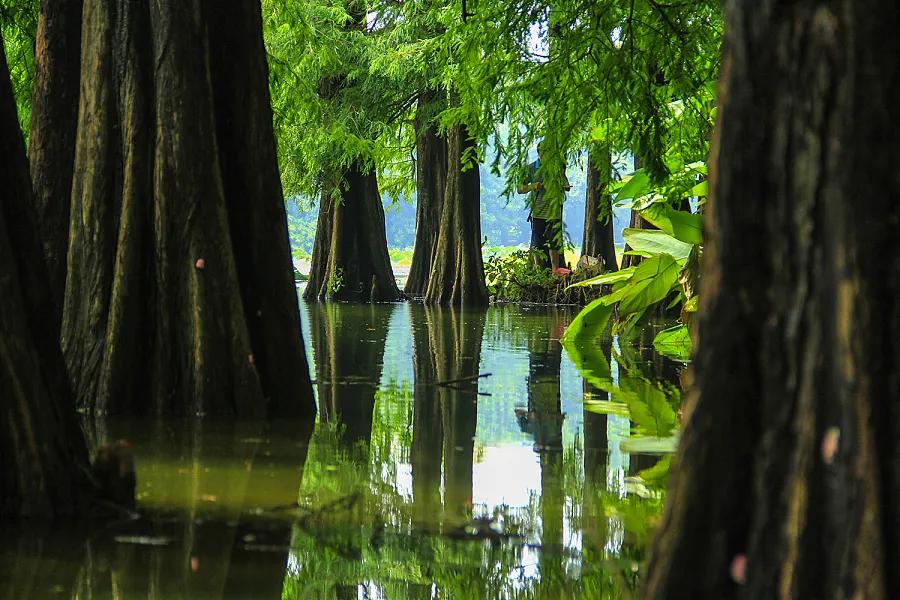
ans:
(701, 189)
(674, 342)
(656, 242)
(651, 283)
(692, 305)
(683, 226)
(606, 278)
(637, 186)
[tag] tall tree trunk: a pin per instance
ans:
(457, 275)
(42, 453)
(792, 485)
(171, 306)
(598, 238)
(54, 120)
(255, 200)
(350, 258)
(431, 181)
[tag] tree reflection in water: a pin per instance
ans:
(410, 486)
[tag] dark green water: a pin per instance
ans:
(417, 480)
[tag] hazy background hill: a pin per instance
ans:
(503, 222)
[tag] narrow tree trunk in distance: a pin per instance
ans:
(786, 482)
(598, 238)
(164, 310)
(457, 276)
(350, 259)
(431, 181)
(54, 120)
(43, 458)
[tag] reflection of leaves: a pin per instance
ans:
(649, 408)
(605, 407)
(590, 361)
(674, 342)
(649, 445)
(657, 476)
(589, 322)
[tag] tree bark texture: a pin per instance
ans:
(350, 258)
(457, 275)
(54, 120)
(180, 298)
(431, 182)
(43, 458)
(598, 240)
(786, 483)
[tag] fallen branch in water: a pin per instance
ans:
(469, 379)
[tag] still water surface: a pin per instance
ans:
(420, 479)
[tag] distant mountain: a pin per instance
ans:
(503, 222)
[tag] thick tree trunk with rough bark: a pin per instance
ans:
(457, 275)
(54, 120)
(431, 181)
(786, 483)
(43, 459)
(176, 302)
(598, 240)
(350, 259)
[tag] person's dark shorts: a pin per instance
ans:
(546, 234)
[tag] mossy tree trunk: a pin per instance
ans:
(43, 457)
(350, 259)
(431, 182)
(457, 274)
(179, 296)
(791, 487)
(598, 240)
(54, 120)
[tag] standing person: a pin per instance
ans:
(544, 214)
